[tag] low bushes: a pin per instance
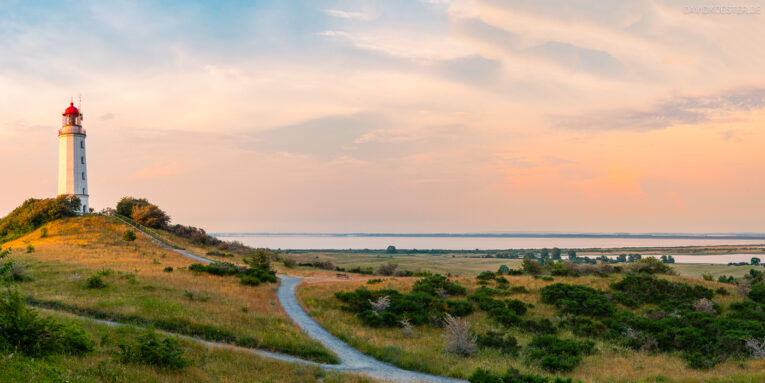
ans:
(217, 253)
(641, 289)
(555, 354)
(33, 213)
(512, 376)
(259, 270)
(577, 299)
(24, 330)
(500, 341)
(149, 349)
(422, 306)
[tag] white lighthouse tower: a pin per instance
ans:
(72, 164)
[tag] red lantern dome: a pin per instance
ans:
(71, 110)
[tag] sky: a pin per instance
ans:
(399, 116)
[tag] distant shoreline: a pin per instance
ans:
(503, 235)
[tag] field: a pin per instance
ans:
(139, 290)
(425, 350)
(460, 264)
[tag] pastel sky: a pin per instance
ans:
(397, 115)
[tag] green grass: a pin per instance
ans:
(138, 290)
(207, 364)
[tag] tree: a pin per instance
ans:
(755, 261)
(261, 260)
(571, 254)
(127, 204)
(544, 253)
(503, 270)
(531, 266)
(391, 250)
(555, 253)
(151, 216)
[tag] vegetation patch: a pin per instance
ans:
(555, 354)
(578, 300)
(34, 213)
(150, 349)
(23, 329)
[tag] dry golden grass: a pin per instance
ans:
(208, 364)
(77, 248)
(425, 351)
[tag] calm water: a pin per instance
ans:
(304, 242)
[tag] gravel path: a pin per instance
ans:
(351, 360)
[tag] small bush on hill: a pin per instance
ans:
(577, 299)
(458, 338)
(95, 282)
(22, 329)
(531, 266)
(555, 354)
(387, 269)
(149, 349)
(216, 253)
(289, 262)
(128, 235)
(168, 269)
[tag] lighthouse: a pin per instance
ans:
(72, 162)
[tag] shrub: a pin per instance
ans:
(431, 283)
(707, 276)
(577, 299)
(518, 307)
(486, 276)
(500, 341)
(289, 262)
(651, 265)
(531, 266)
(168, 269)
(757, 293)
(216, 253)
(512, 376)
(555, 354)
(324, 265)
(11, 271)
(387, 269)
(128, 235)
(503, 270)
(217, 268)
(642, 289)
(30, 249)
(44, 232)
(374, 281)
(705, 305)
(24, 330)
(458, 338)
(149, 349)
(95, 282)
(584, 327)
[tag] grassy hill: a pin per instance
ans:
(148, 285)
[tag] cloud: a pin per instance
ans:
(675, 111)
(349, 14)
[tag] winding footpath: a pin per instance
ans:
(351, 359)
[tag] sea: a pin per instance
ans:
(496, 242)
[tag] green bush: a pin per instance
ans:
(555, 354)
(23, 329)
(531, 266)
(757, 293)
(128, 235)
(577, 299)
(168, 269)
(707, 277)
(30, 249)
(500, 341)
(34, 213)
(95, 282)
(512, 376)
(149, 349)
(635, 290)
(432, 283)
(651, 265)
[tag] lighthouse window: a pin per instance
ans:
(82, 160)
(83, 175)
(82, 144)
